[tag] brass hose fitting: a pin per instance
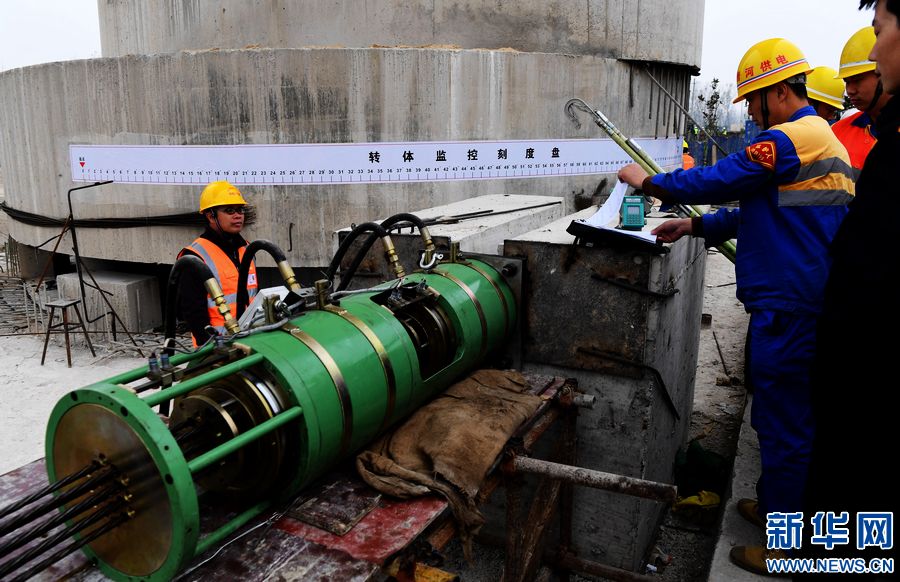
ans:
(215, 291)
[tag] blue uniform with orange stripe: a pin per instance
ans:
(793, 184)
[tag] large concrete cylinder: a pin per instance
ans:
(648, 31)
(169, 96)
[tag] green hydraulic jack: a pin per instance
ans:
(256, 418)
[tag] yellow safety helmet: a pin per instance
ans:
(767, 63)
(220, 193)
(823, 85)
(855, 56)
(684, 144)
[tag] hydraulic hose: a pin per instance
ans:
(194, 263)
(387, 224)
(287, 273)
(354, 234)
(642, 158)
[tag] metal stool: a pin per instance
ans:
(64, 305)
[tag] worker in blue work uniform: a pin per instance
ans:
(793, 183)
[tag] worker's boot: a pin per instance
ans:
(753, 559)
(749, 510)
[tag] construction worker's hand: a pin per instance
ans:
(672, 230)
(633, 175)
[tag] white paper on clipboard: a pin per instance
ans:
(608, 214)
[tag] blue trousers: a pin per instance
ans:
(782, 347)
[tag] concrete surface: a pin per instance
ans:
(135, 299)
(278, 96)
(578, 299)
(651, 30)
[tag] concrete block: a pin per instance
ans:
(135, 299)
(625, 323)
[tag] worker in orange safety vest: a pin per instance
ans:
(865, 91)
(687, 160)
(221, 247)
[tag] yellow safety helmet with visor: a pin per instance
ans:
(823, 85)
(220, 193)
(855, 56)
(769, 62)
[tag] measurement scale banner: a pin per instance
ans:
(365, 163)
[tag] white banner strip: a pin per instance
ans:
(364, 163)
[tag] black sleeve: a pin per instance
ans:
(192, 308)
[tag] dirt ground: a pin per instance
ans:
(28, 392)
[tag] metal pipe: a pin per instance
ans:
(71, 221)
(177, 359)
(202, 380)
(598, 479)
(584, 400)
(208, 458)
(580, 565)
(151, 384)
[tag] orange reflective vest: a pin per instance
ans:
(855, 132)
(687, 161)
(226, 273)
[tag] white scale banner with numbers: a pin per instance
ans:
(359, 163)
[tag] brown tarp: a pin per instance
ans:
(448, 446)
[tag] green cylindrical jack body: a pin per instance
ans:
(343, 374)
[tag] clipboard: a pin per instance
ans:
(594, 231)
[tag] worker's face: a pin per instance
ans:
(226, 219)
(861, 89)
(886, 52)
(824, 110)
(754, 107)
